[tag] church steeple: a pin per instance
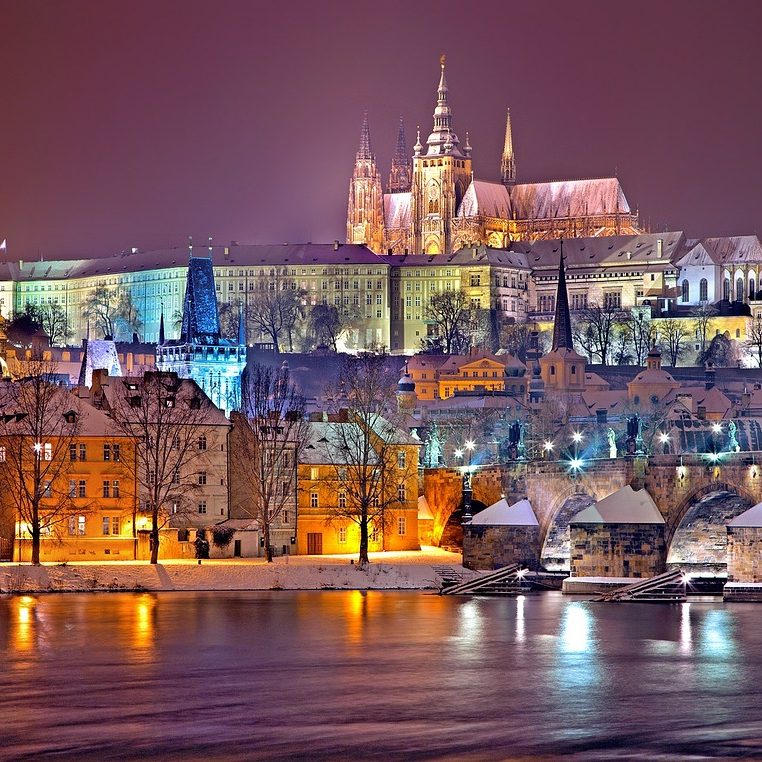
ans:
(562, 328)
(365, 214)
(508, 162)
(400, 177)
(364, 151)
(443, 141)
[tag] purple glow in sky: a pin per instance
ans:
(141, 123)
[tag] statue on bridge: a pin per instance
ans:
(733, 445)
(611, 434)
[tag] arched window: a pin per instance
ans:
(686, 295)
(739, 290)
(726, 289)
(752, 289)
(703, 290)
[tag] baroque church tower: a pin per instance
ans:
(400, 178)
(441, 176)
(365, 211)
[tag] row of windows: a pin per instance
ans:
(78, 488)
(79, 452)
(110, 525)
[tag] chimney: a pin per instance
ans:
(709, 376)
(659, 248)
(602, 415)
(336, 245)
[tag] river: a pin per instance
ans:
(386, 675)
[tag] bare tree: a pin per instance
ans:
(268, 439)
(449, 313)
(169, 418)
(100, 306)
(639, 333)
(595, 328)
(127, 315)
(515, 339)
(702, 317)
(276, 308)
(754, 339)
(372, 458)
(230, 317)
(673, 336)
(38, 425)
(55, 322)
(327, 325)
(110, 310)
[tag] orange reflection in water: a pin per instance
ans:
(140, 615)
(23, 633)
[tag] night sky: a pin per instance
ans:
(139, 123)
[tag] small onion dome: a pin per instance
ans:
(406, 383)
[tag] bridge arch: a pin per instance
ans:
(696, 535)
(555, 553)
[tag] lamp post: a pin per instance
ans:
(467, 491)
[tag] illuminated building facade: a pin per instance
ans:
(443, 208)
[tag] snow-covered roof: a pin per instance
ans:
(500, 513)
(625, 506)
(486, 200)
(750, 518)
(699, 255)
(736, 249)
(397, 210)
(568, 198)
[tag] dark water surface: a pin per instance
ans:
(390, 675)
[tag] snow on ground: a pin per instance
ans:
(413, 570)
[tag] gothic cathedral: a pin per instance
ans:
(433, 204)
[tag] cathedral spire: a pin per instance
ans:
(365, 151)
(365, 209)
(400, 176)
(562, 329)
(508, 163)
(443, 140)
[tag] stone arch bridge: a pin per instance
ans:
(678, 484)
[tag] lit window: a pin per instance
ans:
(401, 459)
(106, 525)
(115, 489)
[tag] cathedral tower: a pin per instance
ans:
(400, 177)
(365, 212)
(508, 162)
(441, 176)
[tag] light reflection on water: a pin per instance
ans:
(392, 675)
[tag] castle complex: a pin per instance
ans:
(434, 205)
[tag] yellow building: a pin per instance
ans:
(441, 376)
(88, 509)
(327, 491)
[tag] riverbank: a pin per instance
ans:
(412, 570)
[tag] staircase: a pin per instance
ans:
(505, 581)
(663, 588)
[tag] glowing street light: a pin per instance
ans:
(664, 437)
(470, 445)
(576, 464)
(547, 446)
(716, 428)
(459, 453)
(577, 437)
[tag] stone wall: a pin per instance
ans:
(492, 547)
(617, 550)
(443, 488)
(744, 556)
